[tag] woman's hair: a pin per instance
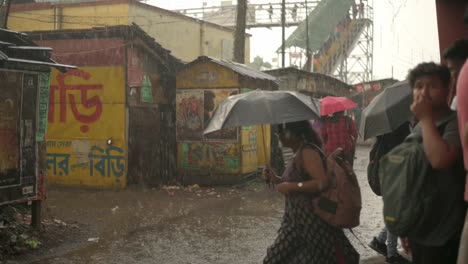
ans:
(304, 130)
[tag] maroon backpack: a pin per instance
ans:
(339, 204)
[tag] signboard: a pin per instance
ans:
(44, 84)
(146, 91)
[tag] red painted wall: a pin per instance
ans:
(87, 52)
(450, 22)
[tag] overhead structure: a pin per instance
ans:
(322, 20)
(340, 37)
(340, 33)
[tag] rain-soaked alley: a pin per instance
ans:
(177, 226)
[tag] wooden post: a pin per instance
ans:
(36, 214)
(239, 35)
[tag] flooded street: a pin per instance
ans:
(192, 225)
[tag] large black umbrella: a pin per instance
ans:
(263, 107)
(387, 111)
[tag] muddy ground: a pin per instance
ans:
(176, 226)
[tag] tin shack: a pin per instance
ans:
(226, 156)
(24, 77)
(112, 120)
(311, 83)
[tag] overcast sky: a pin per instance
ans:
(405, 33)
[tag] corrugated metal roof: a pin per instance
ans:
(52, 64)
(16, 47)
(30, 48)
(241, 69)
(130, 32)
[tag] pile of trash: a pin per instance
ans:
(16, 234)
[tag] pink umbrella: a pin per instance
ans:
(333, 104)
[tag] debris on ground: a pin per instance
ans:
(17, 236)
(113, 210)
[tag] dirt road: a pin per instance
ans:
(191, 225)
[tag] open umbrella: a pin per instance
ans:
(334, 104)
(387, 111)
(263, 107)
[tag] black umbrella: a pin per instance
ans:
(263, 107)
(387, 111)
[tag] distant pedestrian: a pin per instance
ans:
(339, 131)
(361, 9)
(270, 12)
(294, 12)
(355, 11)
(303, 236)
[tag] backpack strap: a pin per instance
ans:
(298, 159)
(358, 239)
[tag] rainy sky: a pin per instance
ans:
(405, 33)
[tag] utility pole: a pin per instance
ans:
(283, 33)
(308, 55)
(6, 7)
(239, 35)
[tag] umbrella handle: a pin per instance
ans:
(264, 146)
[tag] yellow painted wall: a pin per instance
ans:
(264, 145)
(31, 20)
(86, 109)
(206, 75)
(249, 147)
(73, 17)
(186, 38)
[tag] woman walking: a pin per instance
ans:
(304, 237)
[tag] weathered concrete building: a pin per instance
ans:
(315, 84)
(24, 93)
(225, 156)
(111, 121)
(185, 36)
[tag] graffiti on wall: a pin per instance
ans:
(212, 99)
(189, 115)
(86, 108)
(194, 111)
(249, 142)
(210, 156)
(80, 100)
(107, 162)
(9, 130)
(249, 148)
(78, 157)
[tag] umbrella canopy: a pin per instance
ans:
(387, 111)
(263, 107)
(334, 104)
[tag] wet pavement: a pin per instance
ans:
(182, 226)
